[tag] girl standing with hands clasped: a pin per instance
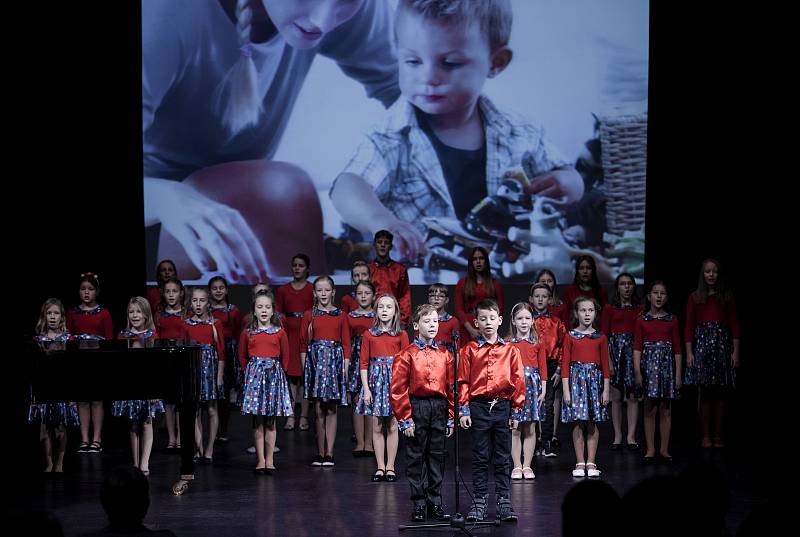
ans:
(231, 320)
(263, 351)
(88, 320)
(534, 360)
(292, 301)
(140, 413)
(657, 361)
(206, 330)
(381, 343)
(712, 347)
(618, 322)
(54, 418)
(586, 385)
(359, 320)
(327, 338)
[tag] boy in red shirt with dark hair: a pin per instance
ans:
(490, 374)
(422, 401)
(390, 277)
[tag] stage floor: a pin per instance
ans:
(228, 499)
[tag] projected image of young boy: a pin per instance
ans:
(444, 146)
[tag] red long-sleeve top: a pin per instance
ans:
(154, 298)
(532, 354)
(562, 312)
(551, 332)
(379, 343)
(421, 370)
(465, 311)
(585, 348)
(391, 278)
(170, 325)
(650, 329)
(710, 312)
(573, 291)
(231, 319)
(357, 323)
(270, 342)
(326, 325)
(489, 371)
(203, 332)
(96, 322)
(348, 303)
(292, 304)
(619, 320)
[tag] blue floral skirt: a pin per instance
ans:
(585, 390)
(54, 415)
(531, 409)
(379, 380)
(620, 353)
(209, 366)
(324, 372)
(354, 375)
(137, 409)
(266, 391)
(658, 370)
(713, 348)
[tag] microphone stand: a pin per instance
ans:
(457, 520)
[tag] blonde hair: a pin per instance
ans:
(41, 325)
(236, 98)
(394, 324)
(359, 263)
(512, 328)
(423, 310)
(144, 305)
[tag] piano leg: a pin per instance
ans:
(188, 411)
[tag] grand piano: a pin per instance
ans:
(90, 370)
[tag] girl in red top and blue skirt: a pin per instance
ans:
(618, 321)
(359, 320)
(231, 319)
(586, 385)
(90, 321)
(327, 340)
(292, 301)
(657, 361)
(140, 332)
(54, 418)
(712, 348)
(169, 320)
(203, 328)
(534, 360)
(381, 343)
(263, 351)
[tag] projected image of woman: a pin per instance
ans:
(219, 81)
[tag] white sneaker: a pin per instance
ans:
(516, 473)
(580, 470)
(251, 449)
(527, 473)
(591, 470)
(276, 449)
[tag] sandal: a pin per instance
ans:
(83, 447)
(580, 470)
(95, 447)
(289, 425)
(591, 470)
(378, 477)
(391, 477)
(303, 423)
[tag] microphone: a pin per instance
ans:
(454, 334)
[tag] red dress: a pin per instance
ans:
(292, 304)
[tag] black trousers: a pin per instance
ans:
(547, 431)
(425, 450)
(491, 438)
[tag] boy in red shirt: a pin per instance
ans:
(390, 277)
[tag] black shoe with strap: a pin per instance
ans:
(419, 513)
(477, 512)
(436, 512)
(505, 511)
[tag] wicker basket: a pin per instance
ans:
(623, 141)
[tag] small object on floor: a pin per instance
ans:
(391, 476)
(378, 476)
(251, 450)
(222, 439)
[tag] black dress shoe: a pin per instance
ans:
(437, 513)
(616, 447)
(390, 477)
(419, 513)
(378, 476)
